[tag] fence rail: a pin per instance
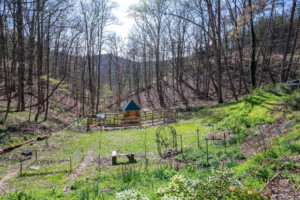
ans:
(119, 120)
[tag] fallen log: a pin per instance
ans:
(12, 147)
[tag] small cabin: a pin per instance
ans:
(131, 112)
(131, 109)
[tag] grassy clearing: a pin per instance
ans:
(238, 117)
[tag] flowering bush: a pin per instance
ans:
(179, 188)
(131, 194)
(220, 185)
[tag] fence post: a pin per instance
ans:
(70, 164)
(82, 153)
(21, 166)
(99, 163)
(152, 117)
(36, 156)
(198, 138)
(164, 116)
(88, 123)
(225, 142)
(181, 142)
(206, 150)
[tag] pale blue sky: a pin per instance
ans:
(125, 22)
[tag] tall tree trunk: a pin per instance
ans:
(287, 44)
(287, 71)
(3, 62)
(253, 48)
(21, 57)
(39, 58)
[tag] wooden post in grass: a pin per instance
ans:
(225, 143)
(70, 164)
(152, 117)
(36, 156)
(21, 166)
(99, 163)
(198, 138)
(181, 142)
(206, 150)
(82, 153)
(88, 123)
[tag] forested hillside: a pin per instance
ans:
(177, 53)
(215, 85)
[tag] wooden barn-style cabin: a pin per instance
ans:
(131, 112)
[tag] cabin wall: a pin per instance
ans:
(130, 113)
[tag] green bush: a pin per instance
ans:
(77, 184)
(189, 155)
(288, 164)
(193, 108)
(231, 164)
(57, 108)
(262, 172)
(233, 141)
(203, 163)
(18, 195)
(239, 155)
(90, 192)
(220, 185)
(2, 121)
(130, 194)
(131, 175)
(163, 173)
(292, 101)
(12, 127)
(293, 147)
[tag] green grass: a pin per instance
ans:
(238, 117)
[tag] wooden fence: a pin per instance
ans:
(119, 120)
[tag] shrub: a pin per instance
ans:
(231, 164)
(292, 101)
(163, 173)
(57, 108)
(233, 141)
(90, 192)
(131, 175)
(220, 185)
(261, 172)
(18, 195)
(288, 164)
(293, 147)
(203, 163)
(131, 194)
(12, 127)
(193, 108)
(239, 155)
(2, 121)
(77, 184)
(189, 155)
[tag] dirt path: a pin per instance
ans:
(11, 174)
(5, 178)
(79, 169)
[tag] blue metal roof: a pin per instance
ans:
(131, 105)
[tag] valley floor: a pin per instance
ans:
(249, 141)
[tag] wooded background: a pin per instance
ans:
(179, 52)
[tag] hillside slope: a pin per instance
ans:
(243, 144)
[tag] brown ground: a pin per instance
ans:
(80, 168)
(280, 188)
(267, 132)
